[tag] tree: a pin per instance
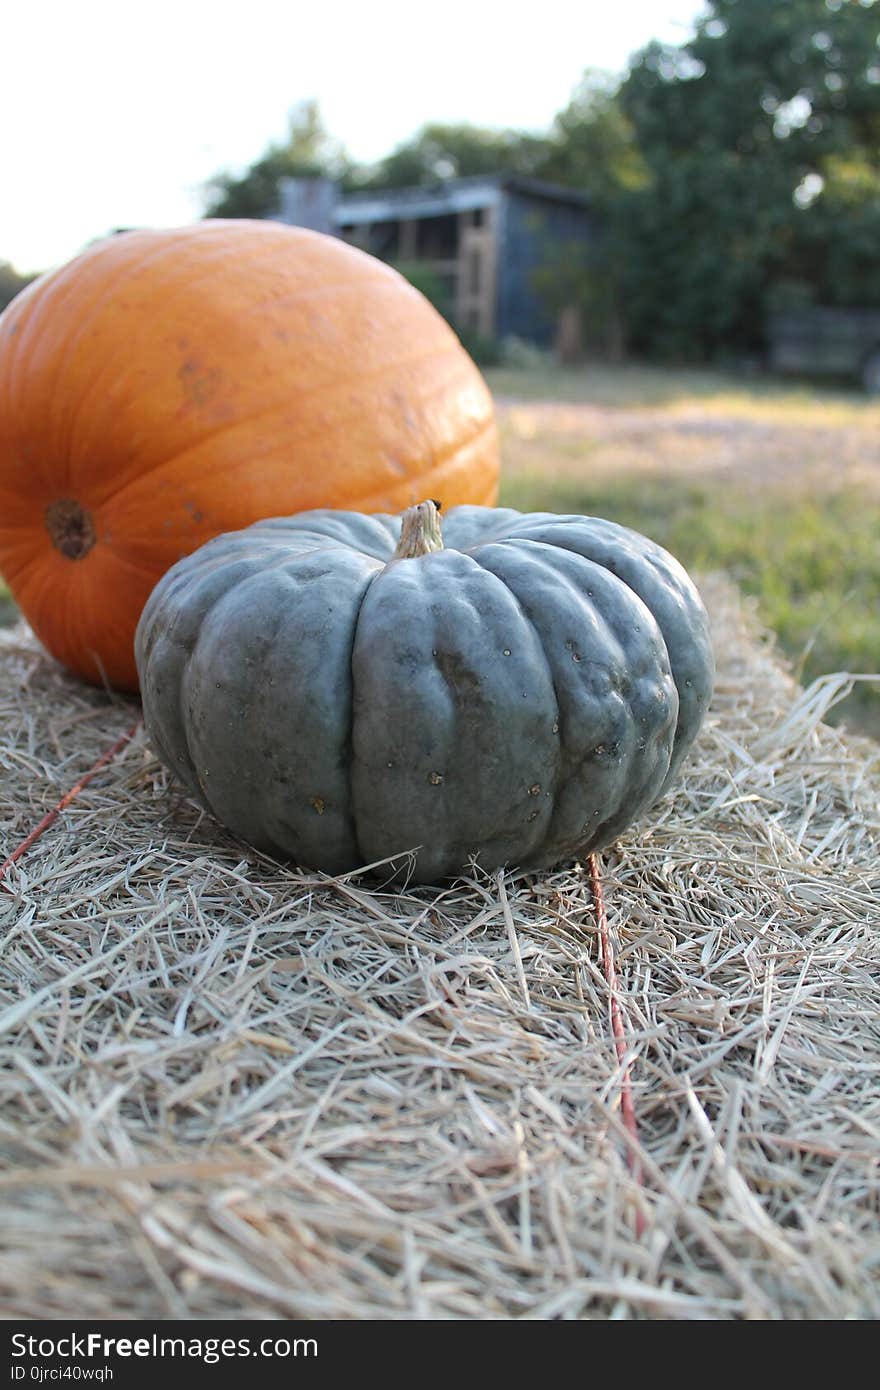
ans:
(741, 130)
(835, 251)
(307, 151)
(440, 151)
(592, 144)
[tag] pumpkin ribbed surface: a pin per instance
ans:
(518, 696)
(167, 386)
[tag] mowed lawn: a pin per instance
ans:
(778, 486)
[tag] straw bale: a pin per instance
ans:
(231, 1088)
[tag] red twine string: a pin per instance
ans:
(627, 1108)
(66, 799)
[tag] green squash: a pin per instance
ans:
(516, 692)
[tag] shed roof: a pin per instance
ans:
(447, 196)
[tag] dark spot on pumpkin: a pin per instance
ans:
(200, 383)
(457, 674)
(71, 528)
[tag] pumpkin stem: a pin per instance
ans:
(420, 531)
(71, 528)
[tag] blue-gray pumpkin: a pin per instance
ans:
(339, 688)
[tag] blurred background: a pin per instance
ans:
(655, 226)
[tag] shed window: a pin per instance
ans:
(438, 237)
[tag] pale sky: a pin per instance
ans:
(115, 112)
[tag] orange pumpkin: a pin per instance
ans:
(167, 386)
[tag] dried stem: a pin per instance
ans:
(420, 531)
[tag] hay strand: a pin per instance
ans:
(64, 801)
(606, 951)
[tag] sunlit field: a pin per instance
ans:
(778, 485)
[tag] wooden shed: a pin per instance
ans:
(490, 243)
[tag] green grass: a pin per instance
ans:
(641, 385)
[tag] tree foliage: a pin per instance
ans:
(307, 150)
(742, 132)
(439, 151)
(838, 248)
(592, 144)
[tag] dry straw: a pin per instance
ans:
(231, 1088)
